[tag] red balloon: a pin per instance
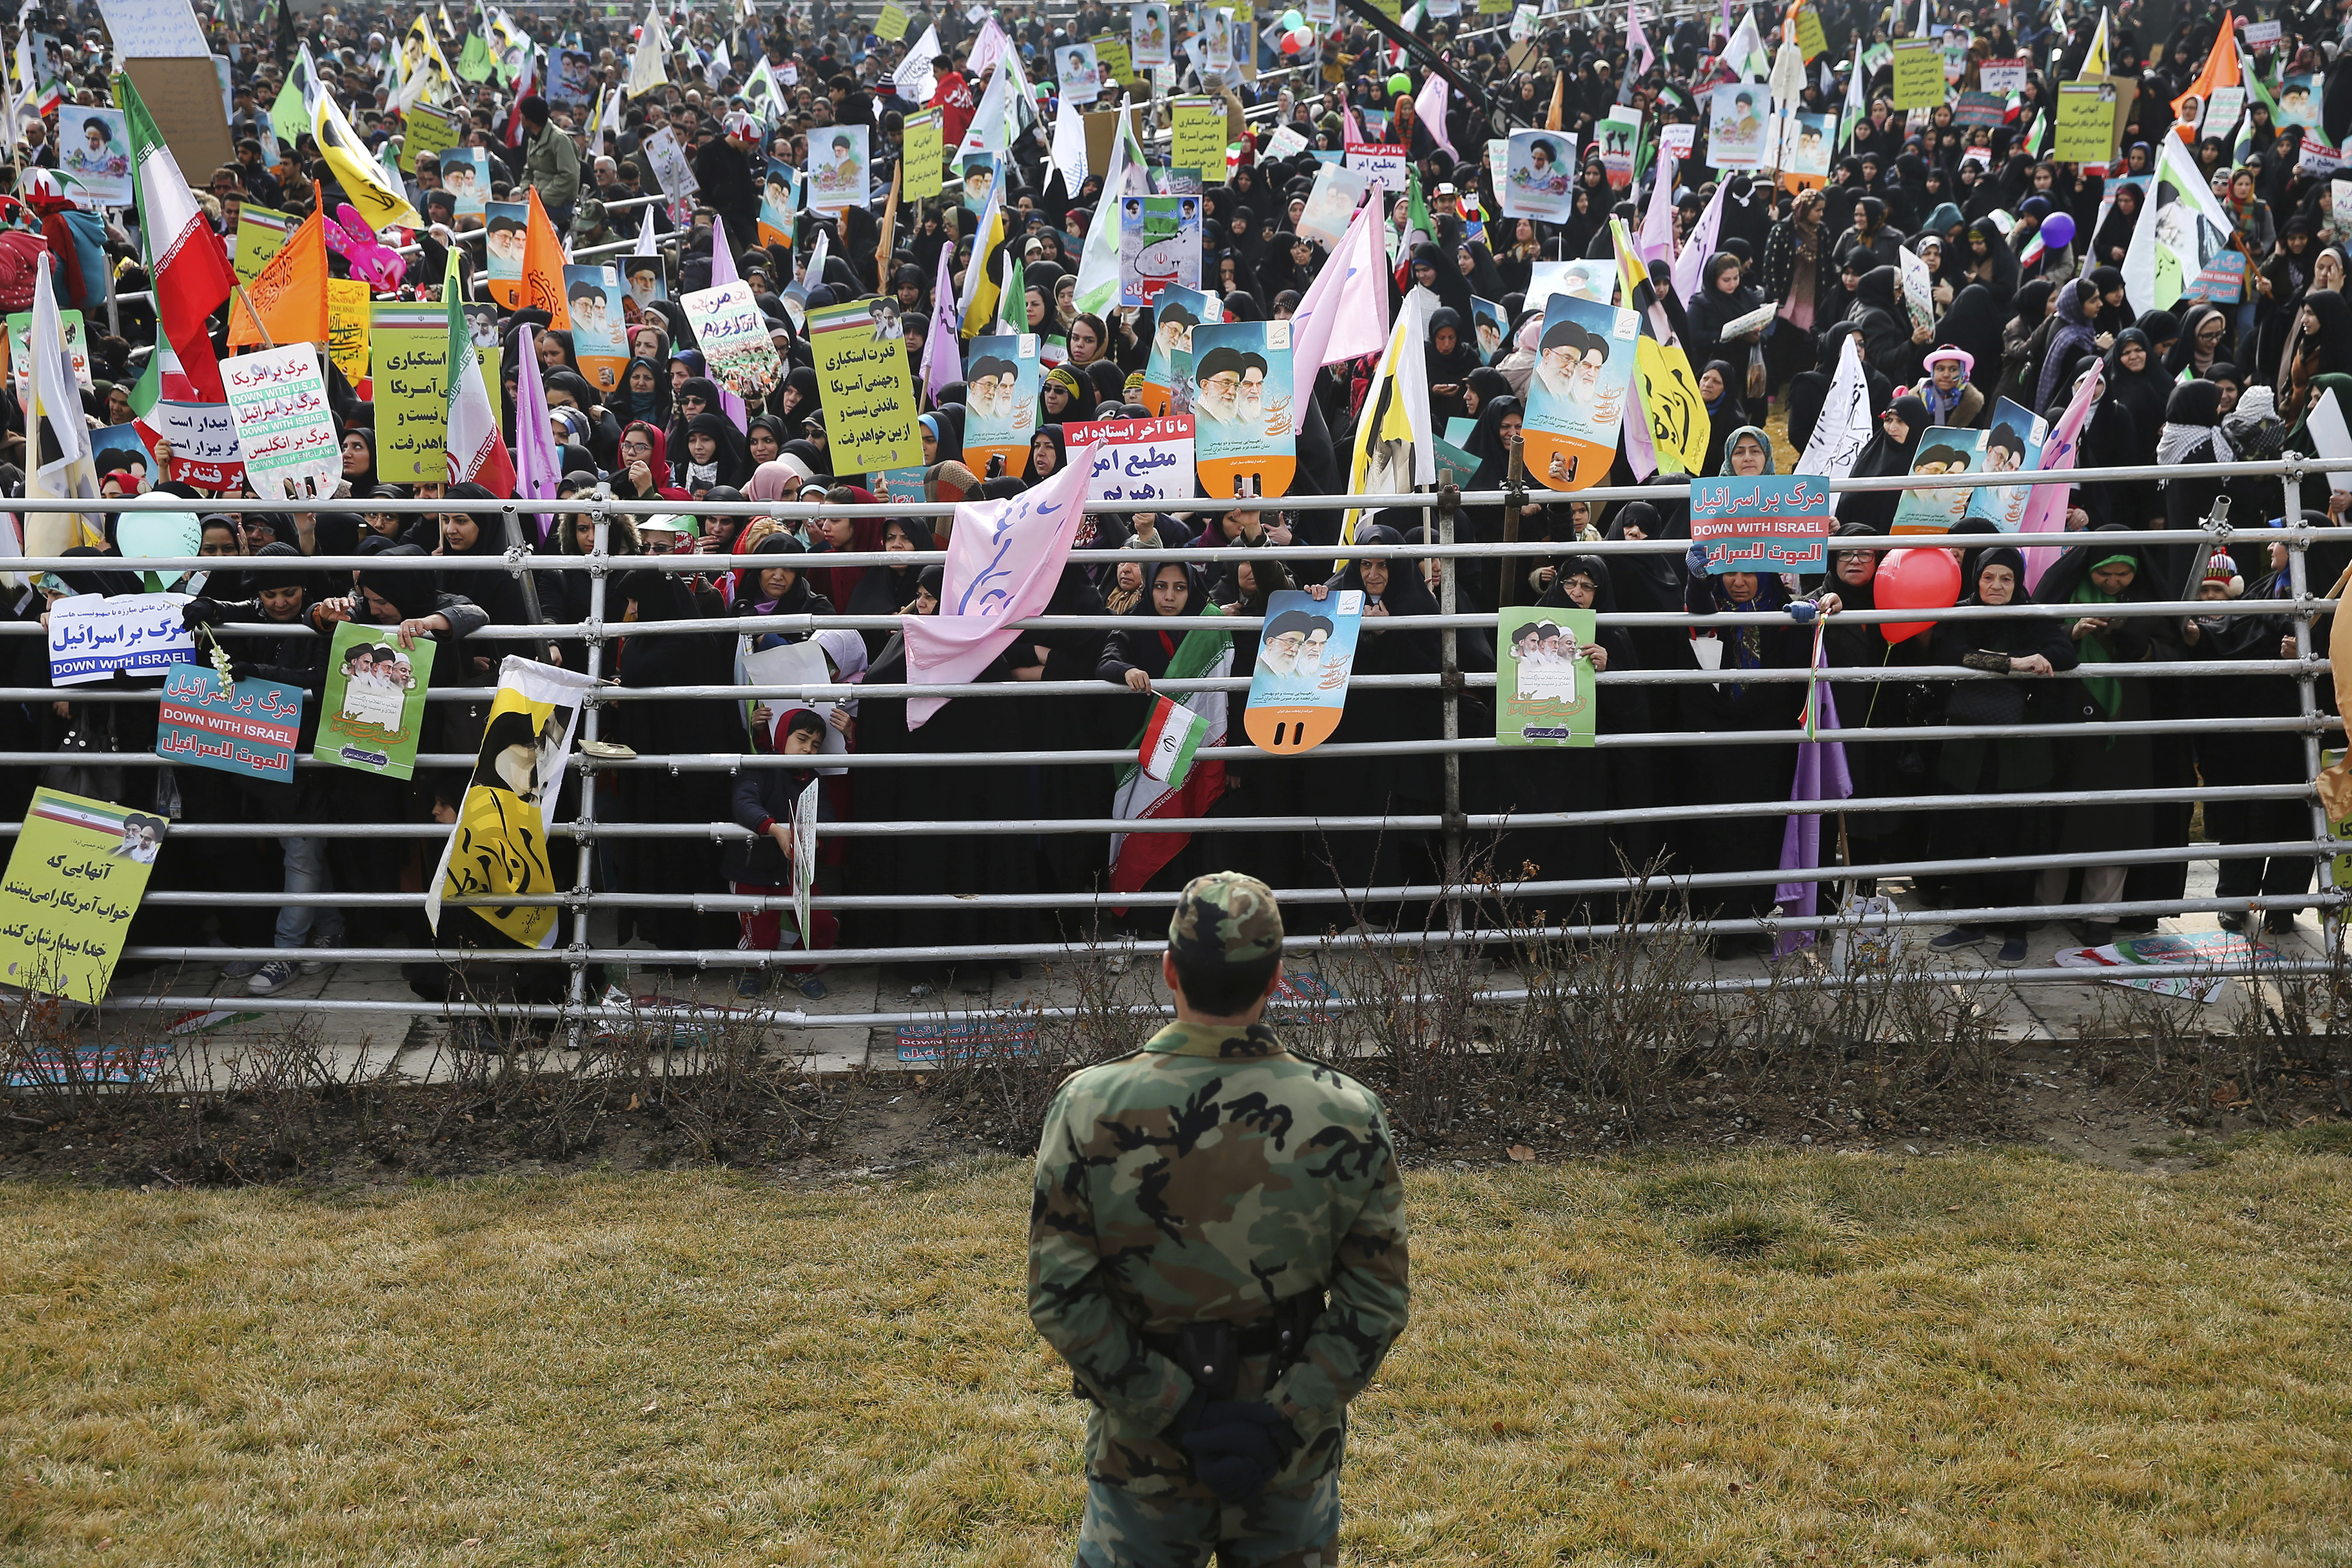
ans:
(1290, 44)
(1922, 579)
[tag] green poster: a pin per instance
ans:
(926, 146)
(866, 387)
(75, 878)
(2086, 125)
(1543, 677)
(408, 348)
(1919, 74)
(429, 131)
(374, 710)
(1200, 139)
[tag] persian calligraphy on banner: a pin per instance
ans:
(2001, 77)
(2086, 122)
(430, 134)
(408, 357)
(1544, 693)
(499, 847)
(1147, 460)
(373, 708)
(75, 878)
(733, 336)
(1766, 524)
(196, 443)
(1918, 73)
(284, 428)
(926, 147)
(866, 389)
(1198, 139)
(250, 730)
(1679, 427)
(1159, 245)
(1381, 164)
(92, 635)
(347, 327)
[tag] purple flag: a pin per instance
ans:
(942, 355)
(1821, 775)
(2045, 509)
(538, 464)
(722, 273)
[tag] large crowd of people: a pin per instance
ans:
(2021, 306)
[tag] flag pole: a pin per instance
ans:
(254, 316)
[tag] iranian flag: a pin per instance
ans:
(190, 273)
(1164, 781)
(477, 452)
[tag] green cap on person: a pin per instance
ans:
(1225, 918)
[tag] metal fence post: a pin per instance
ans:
(1449, 498)
(584, 835)
(2306, 698)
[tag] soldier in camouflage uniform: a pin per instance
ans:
(1216, 1247)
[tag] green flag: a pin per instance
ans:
(1012, 305)
(474, 62)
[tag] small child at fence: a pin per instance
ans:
(768, 802)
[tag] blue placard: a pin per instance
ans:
(1770, 523)
(250, 730)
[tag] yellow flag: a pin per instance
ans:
(381, 204)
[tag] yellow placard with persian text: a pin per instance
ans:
(867, 388)
(347, 327)
(1199, 141)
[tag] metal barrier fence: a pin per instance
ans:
(1462, 910)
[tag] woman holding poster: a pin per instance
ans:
(1000, 404)
(1241, 408)
(1576, 398)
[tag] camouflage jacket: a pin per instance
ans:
(1204, 1178)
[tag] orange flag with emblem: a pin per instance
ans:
(2220, 70)
(542, 269)
(288, 298)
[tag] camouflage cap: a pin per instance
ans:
(1226, 917)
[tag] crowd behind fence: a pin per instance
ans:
(1462, 888)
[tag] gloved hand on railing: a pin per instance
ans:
(1695, 558)
(198, 612)
(1803, 611)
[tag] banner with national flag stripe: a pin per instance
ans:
(1166, 780)
(185, 259)
(478, 453)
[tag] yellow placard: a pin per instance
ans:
(1116, 59)
(429, 131)
(2086, 123)
(867, 387)
(74, 880)
(1199, 139)
(891, 24)
(347, 327)
(1918, 73)
(926, 147)
(408, 350)
(259, 234)
(1810, 39)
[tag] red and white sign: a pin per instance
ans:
(1147, 460)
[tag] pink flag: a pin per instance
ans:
(1637, 43)
(722, 273)
(1352, 129)
(1656, 240)
(2045, 509)
(538, 465)
(1429, 104)
(1004, 560)
(1346, 312)
(1689, 265)
(942, 355)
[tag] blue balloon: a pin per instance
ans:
(2057, 229)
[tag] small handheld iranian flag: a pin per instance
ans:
(1175, 733)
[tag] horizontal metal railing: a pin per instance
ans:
(585, 901)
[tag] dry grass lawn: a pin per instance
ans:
(1761, 1358)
